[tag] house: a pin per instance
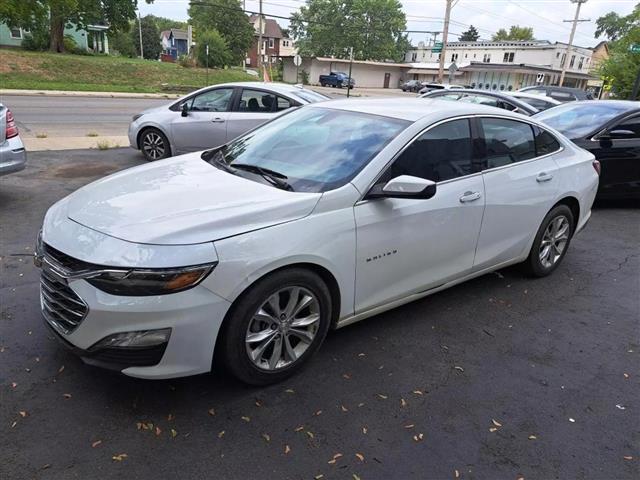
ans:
(175, 42)
(600, 54)
(287, 47)
(92, 39)
(272, 37)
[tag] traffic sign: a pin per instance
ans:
(437, 47)
(540, 78)
(635, 48)
(297, 60)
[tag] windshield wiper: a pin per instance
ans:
(277, 179)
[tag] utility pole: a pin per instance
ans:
(445, 34)
(575, 22)
(260, 37)
(350, 65)
(140, 35)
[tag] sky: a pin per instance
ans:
(545, 16)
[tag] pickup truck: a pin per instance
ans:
(337, 79)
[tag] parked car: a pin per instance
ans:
(337, 79)
(562, 94)
(212, 116)
(610, 130)
(256, 248)
(13, 156)
(484, 97)
(539, 102)
(412, 86)
(427, 87)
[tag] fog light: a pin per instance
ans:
(144, 338)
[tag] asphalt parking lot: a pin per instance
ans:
(503, 377)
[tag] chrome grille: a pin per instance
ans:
(61, 306)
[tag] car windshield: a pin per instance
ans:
(316, 149)
(576, 120)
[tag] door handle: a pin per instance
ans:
(543, 177)
(470, 197)
(218, 120)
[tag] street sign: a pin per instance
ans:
(297, 60)
(540, 78)
(635, 48)
(437, 47)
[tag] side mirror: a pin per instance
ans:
(404, 186)
(185, 110)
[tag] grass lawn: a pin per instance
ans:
(50, 71)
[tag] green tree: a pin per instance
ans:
(330, 27)
(516, 32)
(622, 67)
(123, 43)
(219, 53)
(151, 46)
(228, 18)
(167, 23)
(470, 35)
(59, 14)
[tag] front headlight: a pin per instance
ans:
(146, 282)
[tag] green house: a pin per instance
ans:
(92, 39)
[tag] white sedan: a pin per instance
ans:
(325, 216)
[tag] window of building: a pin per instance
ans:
(564, 57)
(486, 58)
(557, 54)
(454, 57)
(285, 43)
(508, 57)
(271, 43)
(16, 33)
(573, 60)
(580, 63)
(507, 141)
(474, 55)
(414, 56)
(442, 153)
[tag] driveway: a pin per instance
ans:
(503, 377)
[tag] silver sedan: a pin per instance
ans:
(212, 116)
(13, 156)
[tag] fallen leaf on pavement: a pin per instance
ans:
(290, 390)
(61, 369)
(258, 404)
(96, 443)
(360, 457)
(298, 429)
(418, 392)
(411, 425)
(628, 457)
(532, 437)
(319, 412)
(22, 413)
(170, 417)
(14, 424)
(626, 375)
(310, 434)
(266, 437)
(456, 473)
(343, 408)
(212, 411)
(158, 431)
(66, 395)
(572, 420)
(384, 397)
(14, 384)
(221, 434)
(403, 402)
(173, 433)
(496, 423)
(318, 477)
(356, 477)
(364, 430)
(493, 429)
(119, 457)
(346, 376)
(457, 367)
(418, 437)
(246, 419)
(286, 449)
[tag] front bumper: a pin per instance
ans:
(13, 156)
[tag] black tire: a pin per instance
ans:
(233, 350)
(533, 265)
(154, 144)
(339, 84)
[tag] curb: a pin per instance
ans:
(74, 143)
(63, 93)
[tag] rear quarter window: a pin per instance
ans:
(546, 143)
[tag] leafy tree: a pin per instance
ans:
(167, 23)
(230, 22)
(151, 46)
(59, 14)
(330, 27)
(622, 67)
(219, 53)
(516, 32)
(470, 35)
(123, 43)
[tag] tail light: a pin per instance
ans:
(12, 128)
(596, 166)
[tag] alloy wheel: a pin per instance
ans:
(283, 328)
(554, 241)
(153, 145)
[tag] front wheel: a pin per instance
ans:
(154, 145)
(551, 242)
(276, 326)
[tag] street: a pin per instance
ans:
(502, 377)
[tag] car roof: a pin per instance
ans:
(553, 87)
(503, 95)
(275, 87)
(412, 109)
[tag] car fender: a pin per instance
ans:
(158, 126)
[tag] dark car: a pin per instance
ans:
(411, 86)
(492, 99)
(562, 94)
(337, 79)
(610, 129)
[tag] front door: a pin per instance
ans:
(387, 79)
(521, 187)
(406, 246)
(205, 125)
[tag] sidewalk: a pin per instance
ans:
(74, 143)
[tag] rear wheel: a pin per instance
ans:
(154, 145)
(551, 242)
(276, 326)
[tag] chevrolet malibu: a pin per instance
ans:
(247, 254)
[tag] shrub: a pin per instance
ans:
(36, 40)
(69, 43)
(219, 53)
(186, 61)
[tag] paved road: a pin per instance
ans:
(75, 116)
(555, 362)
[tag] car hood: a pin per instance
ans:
(183, 200)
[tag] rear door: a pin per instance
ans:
(520, 181)
(205, 125)
(252, 108)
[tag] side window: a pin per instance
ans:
(283, 104)
(631, 124)
(507, 141)
(256, 101)
(545, 142)
(562, 96)
(212, 101)
(442, 153)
